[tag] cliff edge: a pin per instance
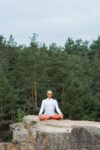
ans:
(33, 134)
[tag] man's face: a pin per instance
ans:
(49, 94)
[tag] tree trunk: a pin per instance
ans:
(62, 92)
(35, 100)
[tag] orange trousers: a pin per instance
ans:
(52, 117)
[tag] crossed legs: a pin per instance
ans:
(52, 117)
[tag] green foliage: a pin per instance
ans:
(72, 72)
(20, 114)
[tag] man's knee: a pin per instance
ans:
(57, 116)
(43, 117)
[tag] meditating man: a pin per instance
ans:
(48, 106)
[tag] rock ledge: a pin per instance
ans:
(33, 134)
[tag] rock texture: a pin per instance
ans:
(33, 134)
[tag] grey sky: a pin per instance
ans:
(53, 20)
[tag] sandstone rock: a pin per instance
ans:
(33, 134)
(19, 132)
(85, 138)
(31, 119)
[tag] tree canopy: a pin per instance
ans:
(72, 72)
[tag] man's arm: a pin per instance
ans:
(58, 110)
(41, 109)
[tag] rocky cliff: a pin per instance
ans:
(33, 134)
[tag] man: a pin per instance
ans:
(48, 106)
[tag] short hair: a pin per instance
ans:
(49, 91)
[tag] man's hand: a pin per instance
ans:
(62, 116)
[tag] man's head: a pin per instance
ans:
(49, 94)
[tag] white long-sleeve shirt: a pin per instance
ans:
(48, 106)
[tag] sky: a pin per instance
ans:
(53, 20)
